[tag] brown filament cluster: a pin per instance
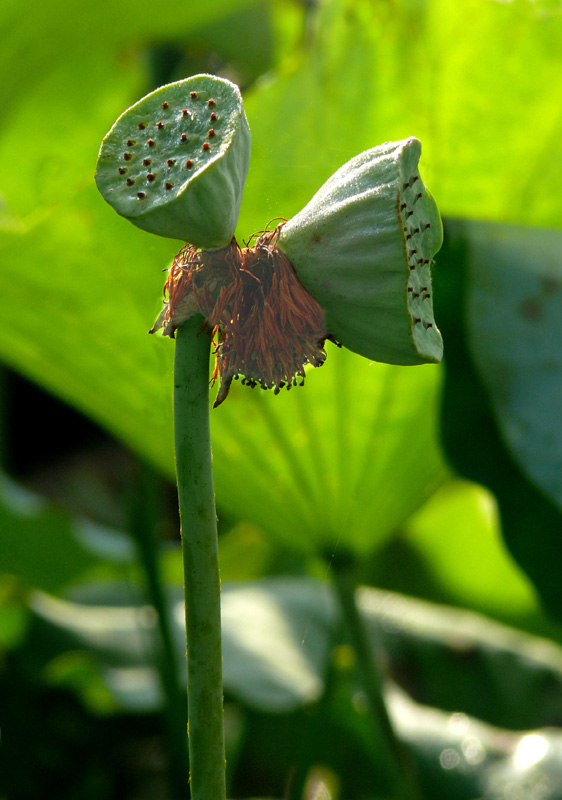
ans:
(265, 325)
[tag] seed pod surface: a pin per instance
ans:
(159, 167)
(363, 248)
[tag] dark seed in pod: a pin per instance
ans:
(213, 117)
(122, 170)
(130, 142)
(146, 162)
(150, 143)
(211, 102)
(206, 146)
(150, 177)
(193, 95)
(130, 181)
(164, 105)
(171, 162)
(211, 133)
(127, 156)
(142, 126)
(159, 124)
(184, 137)
(189, 163)
(169, 185)
(141, 195)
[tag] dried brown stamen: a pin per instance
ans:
(265, 325)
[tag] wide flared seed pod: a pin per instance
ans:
(175, 163)
(363, 248)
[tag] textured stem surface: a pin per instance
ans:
(200, 560)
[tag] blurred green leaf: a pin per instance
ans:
(79, 288)
(473, 439)
(66, 32)
(514, 317)
(278, 635)
(374, 72)
(458, 535)
(45, 547)
(343, 461)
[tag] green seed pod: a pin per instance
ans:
(175, 163)
(363, 248)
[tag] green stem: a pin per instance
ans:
(200, 561)
(400, 770)
(144, 517)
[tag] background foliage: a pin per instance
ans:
(442, 483)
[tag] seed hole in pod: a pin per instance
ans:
(189, 163)
(410, 289)
(127, 156)
(164, 105)
(412, 266)
(130, 142)
(403, 206)
(206, 146)
(416, 230)
(142, 126)
(406, 185)
(416, 320)
(417, 197)
(150, 143)
(159, 124)
(427, 225)
(428, 325)
(409, 236)
(414, 179)
(211, 133)
(141, 195)
(146, 161)
(150, 177)
(130, 181)
(212, 102)
(213, 117)
(193, 95)
(427, 294)
(415, 294)
(409, 214)
(423, 288)
(122, 170)
(169, 186)
(183, 137)
(171, 162)
(413, 251)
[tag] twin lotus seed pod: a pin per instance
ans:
(352, 266)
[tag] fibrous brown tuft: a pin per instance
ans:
(265, 325)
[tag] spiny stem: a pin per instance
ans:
(399, 769)
(200, 561)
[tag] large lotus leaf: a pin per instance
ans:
(514, 319)
(79, 288)
(377, 72)
(477, 440)
(457, 537)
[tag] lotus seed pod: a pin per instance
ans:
(175, 163)
(363, 248)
